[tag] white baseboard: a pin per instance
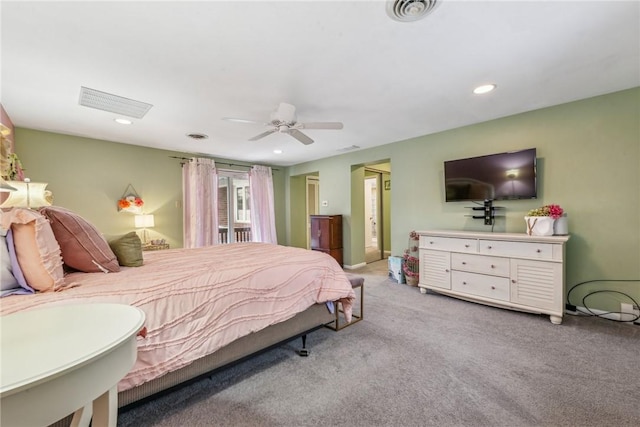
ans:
(606, 315)
(353, 267)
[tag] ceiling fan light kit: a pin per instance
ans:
(283, 120)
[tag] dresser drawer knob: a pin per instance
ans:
(464, 283)
(446, 270)
(464, 263)
(488, 247)
(538, 250)
(431, 243)
(513, 280)
(493, 266)
(493, 287)
(466, 246)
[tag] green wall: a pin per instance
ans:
(88, 176)
(588, 162)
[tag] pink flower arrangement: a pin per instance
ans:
(554, 211)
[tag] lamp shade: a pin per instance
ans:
(27, 195)
(144, 221)
(4, 186)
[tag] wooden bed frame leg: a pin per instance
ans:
(303, 352)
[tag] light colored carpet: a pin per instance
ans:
(424, 360)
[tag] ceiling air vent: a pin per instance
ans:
(349, 148)
(197, 136)
(409, 10)
(113, 103)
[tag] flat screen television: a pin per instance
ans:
(502, 176)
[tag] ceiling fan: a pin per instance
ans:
(283, 120)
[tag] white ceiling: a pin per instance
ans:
(347, 61)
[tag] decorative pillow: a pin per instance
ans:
(37, 250)
(128, 249)
(7, 279)
(22, 286)
(83, 247)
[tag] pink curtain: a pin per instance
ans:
(263, 218)
(200, 193)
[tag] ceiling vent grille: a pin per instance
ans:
(113, 103)
(349, 148)
(410, 10)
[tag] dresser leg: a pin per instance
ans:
(556, 320)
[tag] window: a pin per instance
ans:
(234, 214)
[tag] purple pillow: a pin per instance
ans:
(15, 268)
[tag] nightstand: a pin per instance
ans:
(151, 247)
(53, 364)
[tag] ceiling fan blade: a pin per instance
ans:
(263, 134)
(237, 120)
(322, 125)
(300, 136)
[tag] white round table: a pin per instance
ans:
(62, 359)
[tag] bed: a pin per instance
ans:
(206, 307)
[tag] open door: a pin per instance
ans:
(372, 220)
(313, 203)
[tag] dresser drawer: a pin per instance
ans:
(481, 285)
(484, 264)
(517, 249)
(449, 244)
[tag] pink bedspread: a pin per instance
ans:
(198, 300)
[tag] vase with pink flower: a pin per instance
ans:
(542, 221)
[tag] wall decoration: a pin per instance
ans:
(130, 201)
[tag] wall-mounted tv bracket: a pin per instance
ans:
(488, 212)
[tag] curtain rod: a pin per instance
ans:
(218, 163)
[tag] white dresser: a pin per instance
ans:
(508, 270)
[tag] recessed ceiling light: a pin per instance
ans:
(123, 121)
(277, 151)
(484, 89)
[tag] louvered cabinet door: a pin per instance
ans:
(435, 269)
(537, 284)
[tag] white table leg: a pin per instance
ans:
(82, 417)
(105, 409)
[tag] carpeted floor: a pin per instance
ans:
(424, 360)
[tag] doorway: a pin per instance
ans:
(313, 203)
(373, 236)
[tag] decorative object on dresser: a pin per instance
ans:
(326, 235)
(507, 270)
(541, 221)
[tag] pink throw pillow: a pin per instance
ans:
(83, 247)
(37, 250)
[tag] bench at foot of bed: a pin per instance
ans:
(336, 325)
